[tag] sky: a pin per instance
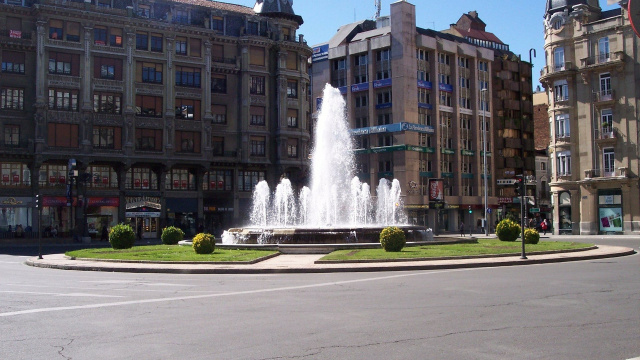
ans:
(517, 23)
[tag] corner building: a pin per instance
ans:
(413, 99)
(173, 111)
(592, 81)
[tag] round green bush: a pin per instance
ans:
(122, 236)
(392, 239)
(507, 230)
(171, 235)
(531, 236)
(204, 243)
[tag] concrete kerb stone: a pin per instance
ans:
(308, 265)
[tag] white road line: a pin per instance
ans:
(59, 294)
(206, 296)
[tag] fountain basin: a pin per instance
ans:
(337, 235)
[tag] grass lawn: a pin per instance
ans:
(483, 247)
(170, 253)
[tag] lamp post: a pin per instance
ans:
(484, 157)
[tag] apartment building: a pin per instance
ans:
(591, 79)
(172, 111)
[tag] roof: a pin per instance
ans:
(347, 32)
(372, 33)
(219, 6)
(480, 35)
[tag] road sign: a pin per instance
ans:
(489, 210)
(534, 210)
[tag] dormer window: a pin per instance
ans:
(144, 11)
(217, 23)
(252, 28)
(181, 17)
(557, 24)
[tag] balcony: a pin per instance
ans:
(606, 136)
(551, 70)
(620, 172)
(602, 60)
(604, 97)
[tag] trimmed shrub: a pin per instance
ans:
(204, 243)
(392, 239)
(508, 230)
(122, 236)
(171, 235)
(531, 236)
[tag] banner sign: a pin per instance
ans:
(425, 84)
(320, 53)
(377, 84)
(445, 87)
(359, 87)
(436, 190)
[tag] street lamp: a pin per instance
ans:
(484, 156)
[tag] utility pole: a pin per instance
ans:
(483, 92)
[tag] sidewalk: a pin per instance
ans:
(307, 263)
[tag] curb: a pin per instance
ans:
(614, 251)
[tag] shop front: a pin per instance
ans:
(16, 217)
(101, 212)
(565, 224)
(143, 214)
(57, 216)
(183, 213)
(218, 215)
(610, 215)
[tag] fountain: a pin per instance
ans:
(337, 207)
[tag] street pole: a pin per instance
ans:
(484, 156)
(523, 207)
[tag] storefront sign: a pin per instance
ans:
(425, 84)
(320, 53)
(215, 209)
(148, 214)
(381, 83)
(359, 87)
(103, 201)
(610, 219)
(14, 201)
(445, 87)
(505, 200)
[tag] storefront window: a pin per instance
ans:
(15, 174)
(180, 179)
(103, 177)
(610, 216)
(53, 175)
(141, 178)
(218, 180)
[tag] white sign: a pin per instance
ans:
(149, 214)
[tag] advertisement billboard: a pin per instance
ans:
(436, 190)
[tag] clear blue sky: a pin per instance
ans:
(515, 22)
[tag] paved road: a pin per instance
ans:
(580, 310)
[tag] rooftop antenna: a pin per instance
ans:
(378, 4)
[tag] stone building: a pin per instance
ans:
(591, 79)
(172, 111)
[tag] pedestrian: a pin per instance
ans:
(544, 226)
(105, 234)
(461, 228)
(139, 231)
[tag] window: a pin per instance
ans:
(292, 118)
(100, 35)
(483, 66)
(11, 135)
(219, 84)
(463, 62)
(292, 148)
(181, 17)
(292, 60)
(606, 118)
(422, 54)
(257, 85)
(63, 99)
(445, 98)
(64, 64)
(217, 53)
(362, 122)
(180, 179)
(103, 3)
(14, 27)
(142, 41)
(188, 141)
(218, 180)
(11, 99)
(107, 68)
(340, 64)
(286, 34)
(73, 31)
(106, 137)
(257, 115)
(252, 28)
(603, 50)
(141, 178)
(187, 76)
(62, 135)
(292, 89)
(256, 56)
(424, 97)
(443, 59)
(360, 72)
(361, 101)
(148, 139)
(561, 90)
(217, 145)
(144, 11)
(149, 73)
(383, 97)
(445, 79)
(258, 144)
(115, 37)
(562, 126)
(195, 46)
(188, 109)
(605, 84)
(247, 180)
(181, 45)
(55, 29)
(108, 103)
(384, 119)
(219, 113)
(156, 42)
(557, 23)
(103, 177)
(217, 23)
(149, 106)
(608, 161)
(564, 163)
(13, 62)
(558, 59)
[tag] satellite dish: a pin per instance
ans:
(634, 15)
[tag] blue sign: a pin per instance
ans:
(320, 53)
(359, 87)
(445, 87)
(425, 84)
(403, 126)
(383, 106)
(417, 127)
(381, 83)
(425, 106)
(343, 90)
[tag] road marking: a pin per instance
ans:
(60, 294)
(234, 293)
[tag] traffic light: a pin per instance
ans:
(519, 186)
(470, 210)
(37, 201)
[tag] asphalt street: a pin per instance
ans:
(578, 310)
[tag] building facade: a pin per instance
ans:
(172, 111)
(418, 114)
(591, 79)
